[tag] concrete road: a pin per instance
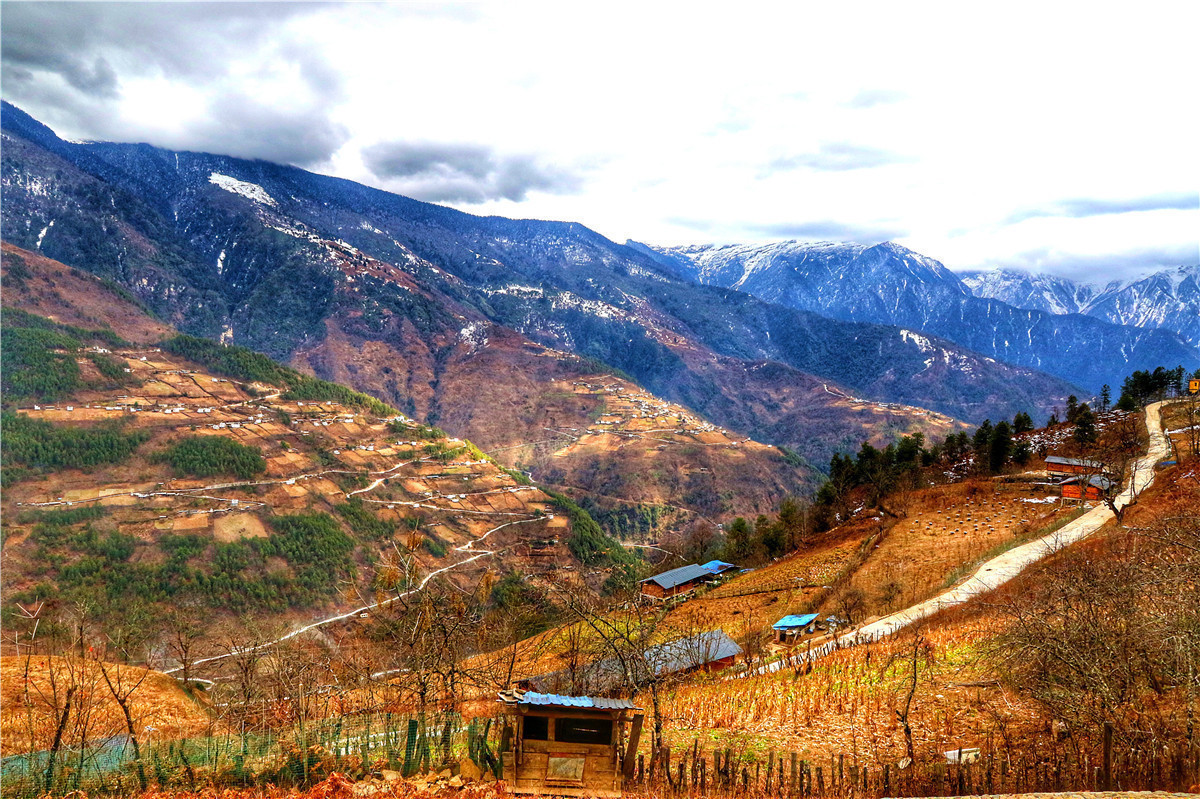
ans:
(1002, 568)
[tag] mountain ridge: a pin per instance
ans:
(353, 281)
(891, 284)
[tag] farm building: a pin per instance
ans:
(790, 628)
(718, 566)
(1084, 487)
(708, 651)
(675, 582)
(1059, 466)
(569, 745)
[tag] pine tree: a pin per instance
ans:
(1022, 423)
(1085, 426)
(999, 447)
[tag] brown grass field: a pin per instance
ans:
(28, 721)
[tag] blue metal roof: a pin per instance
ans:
(717, 566)
(586, 702)
(788, 622)
(684, 574)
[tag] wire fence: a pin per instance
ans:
(359, 746)
(296, 756)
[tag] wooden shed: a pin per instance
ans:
(569, 745)
(1094, 487)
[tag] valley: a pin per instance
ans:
(313, 489)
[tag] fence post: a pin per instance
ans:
(795, 760)
(1108, 733)
(770, 767)
(410, 748)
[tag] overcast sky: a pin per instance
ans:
(1051, 136)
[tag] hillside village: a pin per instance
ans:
(695, 655)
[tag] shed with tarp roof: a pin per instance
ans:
(791, 627)
(569, 745)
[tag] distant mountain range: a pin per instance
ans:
(1081, 334)
(461, 320)
(1168, 299)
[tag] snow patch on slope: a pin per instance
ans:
(251, 191)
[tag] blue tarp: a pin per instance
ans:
(789, 622)
(717, 566)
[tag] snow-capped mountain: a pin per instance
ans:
(1168, 299)
(890, 284)
(440, 312)
(1033, 291)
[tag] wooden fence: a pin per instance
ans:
(721, 772)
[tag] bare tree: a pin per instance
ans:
(185, 640)
(1116, 452)
(918, 654)
(626, 636)
(1112, 640)
(126, 644)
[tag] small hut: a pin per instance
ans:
(569, 745)
(789, 629)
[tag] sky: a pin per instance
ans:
(1056, 137)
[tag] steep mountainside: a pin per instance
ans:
(189, 474)
(414, 302)
(611, 439)
(1167, 299)
(890, 284)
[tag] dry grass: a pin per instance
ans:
(847, 703)
(29, 718)
(947, 528)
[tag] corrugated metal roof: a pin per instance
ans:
(788, 622)
(1059, 460)
(691, 652)
(717, 566)
(1095, 481)
(586, 702)
(684, 574)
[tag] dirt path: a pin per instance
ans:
(1002, 568)
(467, 549)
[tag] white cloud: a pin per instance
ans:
(939, 123)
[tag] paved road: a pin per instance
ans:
(1002, 568)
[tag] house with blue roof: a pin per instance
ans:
(790, 628)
